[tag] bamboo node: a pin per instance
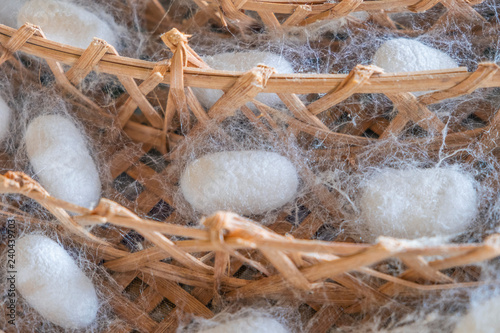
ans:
(37, 30)
(18, 39)
(263, 73)
(216, 225)
(21, 183)
(107, 208)
(494, 242)
(173, 37)
(390, 244)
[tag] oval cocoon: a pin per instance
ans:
(60, 158)
(245, 182)
(51, 282)
(407, 55)
(5, 116)
(242, 62)
(481, 318)
(65, 22)
(250, 324)
(418, 202)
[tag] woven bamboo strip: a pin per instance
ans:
(357, 78)
(423, 5)
(243, 91)
(86, 63)
(128, 108)
(418, 264)
(278, 83)
(178, 296)
(270, 21)
(319, 10)
(326, 135)
(407, 104)
(364, 256)
(19, 38)
(299, 14)
(390, 6)
(341, 9)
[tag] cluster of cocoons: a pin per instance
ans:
(244, 182)
(481, 318)
(251, 324)
(418, 203)
(407, 55)
(242, 62)
(5, 116)
(65, 22)
(59, 156)
(51, 282)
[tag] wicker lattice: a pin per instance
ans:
(302, 13)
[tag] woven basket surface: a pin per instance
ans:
(162, 269)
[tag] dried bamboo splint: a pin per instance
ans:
(231, 234)
(278, 16)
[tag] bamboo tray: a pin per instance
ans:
(231, 258)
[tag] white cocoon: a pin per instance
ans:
(60, 158)
(407, 55)
(244, 182)
(418, 203)
(65, 22)
(9, 10)
(5, 115)
(51, 282)
(242, 62)
(482, 318)
(250, 324)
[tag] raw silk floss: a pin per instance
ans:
(395, 189)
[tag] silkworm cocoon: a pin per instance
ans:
(245, 182)
(60, 158)
(65, 22)
(407, 55)
(9, 10)
(242, 62)
(481, 318)
(5, 116)
(418, 203)
(250, 324)
(51, 282)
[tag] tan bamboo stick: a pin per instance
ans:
(277, 83)
(89, 59)
(319, 6)
(299, 14)
(341, 9)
